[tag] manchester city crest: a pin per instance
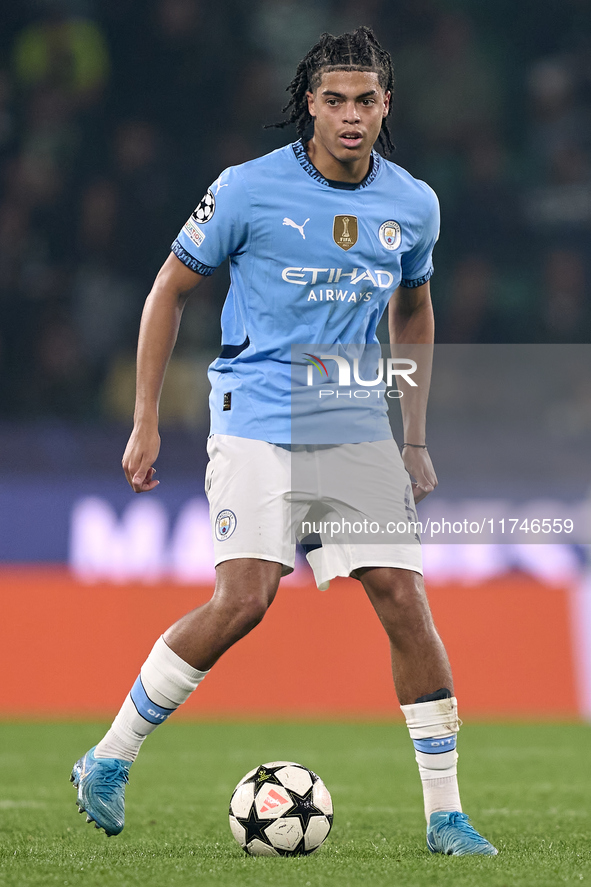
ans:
(225, 524)
(390, 235)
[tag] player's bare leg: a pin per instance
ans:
(180, 659)
(423, 681)
(419, 662)
(244, 590)
(177, 664)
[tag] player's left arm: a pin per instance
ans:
(412, 331)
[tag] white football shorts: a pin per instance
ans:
(350, 505)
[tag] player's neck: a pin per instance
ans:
(335, 170)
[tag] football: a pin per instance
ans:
(280, 809)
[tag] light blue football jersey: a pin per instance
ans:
(310, 262)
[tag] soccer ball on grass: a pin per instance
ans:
(280, 809)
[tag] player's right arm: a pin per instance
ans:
(159, 328)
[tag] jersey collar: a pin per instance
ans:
(301, 154)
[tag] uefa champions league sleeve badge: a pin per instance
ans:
(205, 209)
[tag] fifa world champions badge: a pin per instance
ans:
(225, 524)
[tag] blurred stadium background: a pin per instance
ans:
(115, 115)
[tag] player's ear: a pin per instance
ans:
(310, 98)
(387, 97)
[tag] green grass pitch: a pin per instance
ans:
(526, 787)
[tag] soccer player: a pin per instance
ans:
(322, 236)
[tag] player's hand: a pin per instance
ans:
(139, 457)
(418, 464)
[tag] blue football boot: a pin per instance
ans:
(452, 834)
(101, 790)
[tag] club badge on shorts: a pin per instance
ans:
(225, 524)
(390, 234)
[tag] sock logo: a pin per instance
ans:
(154, 714)
(435, 746)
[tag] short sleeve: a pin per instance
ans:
(218, 227)
(417, 263)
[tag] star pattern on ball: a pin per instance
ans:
(254, 827)
(305, 808)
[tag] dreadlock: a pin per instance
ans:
(356, 50)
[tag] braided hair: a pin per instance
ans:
(357, 50)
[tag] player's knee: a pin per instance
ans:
(250, 611)
(401, 604)
(400, 588)
(243, 609)
(242, 600)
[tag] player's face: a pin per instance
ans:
(348, 108)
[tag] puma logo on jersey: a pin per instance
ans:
(219, 186)
(299, 227)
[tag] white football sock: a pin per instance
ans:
(165, 682)
(433, 727)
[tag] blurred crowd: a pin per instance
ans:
(115, 115)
